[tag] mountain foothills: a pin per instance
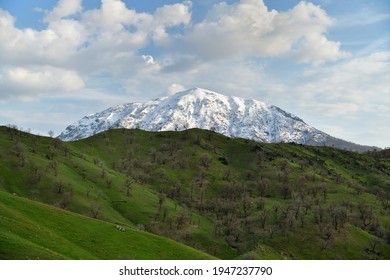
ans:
(205, 109)
(192, 194)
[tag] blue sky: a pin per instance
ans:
(326, 61)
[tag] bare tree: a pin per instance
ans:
(161, 200)
(262, 186)
(103, 173)
(376, 245)
(246, 206)
(286, 191)
(205, 161)
(201, 183)
(164, 212)
(366, 214)
(263, 219)
(276, 209)
(88, 191)
(59, 186)
(129, 186)
(327, 235)
(95, 209)
(154, 154)
(324, 190)
(109, 182)
(65, 199)
(51, 133)
(260, 204)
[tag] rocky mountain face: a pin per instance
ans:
(205, 109)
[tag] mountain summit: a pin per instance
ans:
(205, 109)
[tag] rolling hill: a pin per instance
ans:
(192, 194)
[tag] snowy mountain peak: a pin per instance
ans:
(204, 109)
(201, 108)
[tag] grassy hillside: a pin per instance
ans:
(32, 230)
(229, 198)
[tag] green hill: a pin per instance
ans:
(32, 230)
(228, 198)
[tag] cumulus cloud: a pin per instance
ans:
(110, 39)
(168, 16)
(64, 8)
(53, 45)
(22, 82)
(249, 28)
(105, 39)
(114, 54)
(115, 34)
(104, 33)
(114, 18)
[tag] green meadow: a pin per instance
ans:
(195, 194)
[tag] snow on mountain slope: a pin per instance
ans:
(200, 108)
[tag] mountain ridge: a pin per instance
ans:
(200, 108)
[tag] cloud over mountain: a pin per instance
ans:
(101, 53)
(249, 28)
(110, 38)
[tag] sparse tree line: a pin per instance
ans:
(274, 195)
(237, 202)
(44, 180)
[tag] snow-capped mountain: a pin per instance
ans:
(204, 109)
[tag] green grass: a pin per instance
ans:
(32, 230)
(175, 195)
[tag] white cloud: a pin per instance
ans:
(353, 94)
(23, 83)
(106, 39)
(365, 16)
(248, 28)
(112, 15)
(246, 78)
(174, 88)
(172, 15)
(149, 60)
(316, 49)
(101, 33)
(105, 54)
(168, 16)
(114, 18)
(109, 38)
(64, 8)
(361, 80)
(53, 45)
